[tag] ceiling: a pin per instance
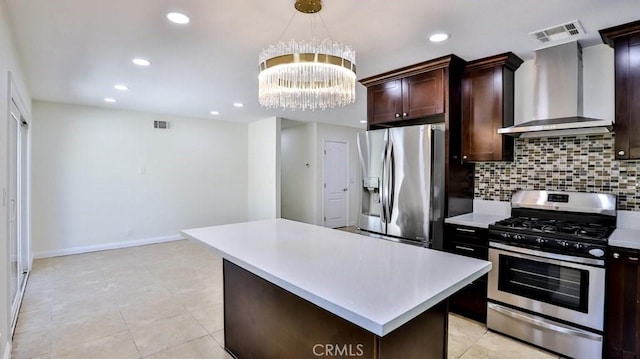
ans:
(74, 51)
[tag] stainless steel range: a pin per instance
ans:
(547, 286)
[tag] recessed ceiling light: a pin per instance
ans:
(238, 104)
(178, 18)
(141, 62)
(438, 37)
(109, 100)
(120, 87)
(215, 113)
(363, 121)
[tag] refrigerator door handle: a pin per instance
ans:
(383, 182)
(387, 186)
(390, 182)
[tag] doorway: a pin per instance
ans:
(336, 184)
(16, 201)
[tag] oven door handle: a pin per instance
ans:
(547, 257)
(544, 325)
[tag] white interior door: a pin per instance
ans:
(17, 207)
(336, 183)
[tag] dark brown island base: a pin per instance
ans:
(262, 320)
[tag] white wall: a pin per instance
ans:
(106, 177)
(599, 82)
(327, 132)
(264, 169)
(9, 63)
(523, 92)
(598, 85)
(299, 167)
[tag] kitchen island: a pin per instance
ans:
(294, 290)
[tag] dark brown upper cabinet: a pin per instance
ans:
(625, 40)
(406, 95)
(487, 105)
(384, 102)
(405, 99)
(423, 95)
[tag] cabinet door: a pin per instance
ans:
(485, 94)
(471, 301)
(423, 95)
(627, 126)
(384, 102)
(622, 317)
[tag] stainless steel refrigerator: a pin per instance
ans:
(403, 183)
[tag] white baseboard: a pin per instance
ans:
(7, 351)
(106, 246)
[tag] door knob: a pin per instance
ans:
(345, 189)
(464, 157)
(397, 115)
(404, 114)
(620, 153)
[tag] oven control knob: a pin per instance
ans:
(578, 246)
(563, 244)
(540, 240)
(596, 252)
(518, 237)
(505, 235)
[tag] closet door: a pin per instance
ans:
(16, 206)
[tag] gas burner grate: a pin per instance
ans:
(589, 231)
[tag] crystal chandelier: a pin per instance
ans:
(307, 75)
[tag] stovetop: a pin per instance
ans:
(562, 236)
(557, 228)
(568, 223)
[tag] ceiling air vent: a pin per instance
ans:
(559, 32)
(161, 124)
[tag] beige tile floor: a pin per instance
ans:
(161, 301)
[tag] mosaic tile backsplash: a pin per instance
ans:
(575, 164)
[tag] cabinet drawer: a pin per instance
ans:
(469, 250)
(470, 233)
(464, 234)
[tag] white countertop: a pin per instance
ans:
(374, 283)
(478, 220)
(627, 233)
(484, 213)
(625, 238)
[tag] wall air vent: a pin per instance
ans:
(161, 124)
(559, 32)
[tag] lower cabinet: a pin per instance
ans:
(471, 301)
(622, 308)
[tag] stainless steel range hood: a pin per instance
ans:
(558, 97)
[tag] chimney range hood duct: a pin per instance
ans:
(558, 97)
